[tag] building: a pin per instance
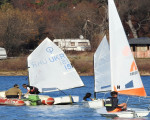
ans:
(3, 54)
(140, 47)
(80, 44)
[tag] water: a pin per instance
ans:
(62, 112)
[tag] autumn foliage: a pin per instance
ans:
(25, 23)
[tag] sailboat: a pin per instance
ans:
(102, 79)
(124, 74)
(50, 70)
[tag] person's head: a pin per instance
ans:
(88, 95)
(114, 94)
(15, 85)
(24, 86)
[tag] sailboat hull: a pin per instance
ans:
(99, 103)
(66, 100)
(46, 100)
(63, 100)
(130, 113)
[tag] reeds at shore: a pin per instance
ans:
(83, 63)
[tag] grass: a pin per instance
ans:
(13, 66)
(82, 61)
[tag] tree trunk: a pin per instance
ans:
(129, 22)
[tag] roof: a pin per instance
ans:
(71, 40)
(139, 41)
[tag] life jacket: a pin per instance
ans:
(108, 102)
(33, 90)
(111, 104)
(88, 99)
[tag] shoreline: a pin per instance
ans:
(82, 62)
(25, 73)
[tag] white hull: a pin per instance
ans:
(66, 100)
(99, 103)
(130, 113)
(62, 100)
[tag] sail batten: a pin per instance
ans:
(49, 69)
(124, 71)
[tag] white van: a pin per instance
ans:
(3, 54)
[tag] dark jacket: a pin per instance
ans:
(33, 90)
(113, 102)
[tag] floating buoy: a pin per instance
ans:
(48, 101)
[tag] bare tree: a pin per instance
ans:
(135, 13)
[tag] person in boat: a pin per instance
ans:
(111, 103)
(14, 92)
(87, 97)
(31, 89)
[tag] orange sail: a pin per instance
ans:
(134, 92)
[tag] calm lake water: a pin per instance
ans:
(63, 112)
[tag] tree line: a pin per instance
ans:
(25, 23)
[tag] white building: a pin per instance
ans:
(73, 44)
(3, 54)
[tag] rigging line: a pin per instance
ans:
(61, 91)
(127, 100)
(104, 95)
(28, 74)
(139, 99)
(148, 107)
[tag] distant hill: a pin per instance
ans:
(25, 23)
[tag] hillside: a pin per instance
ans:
(25, 23)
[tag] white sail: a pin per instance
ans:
(124, 73)
(50, 69)
(102, 67)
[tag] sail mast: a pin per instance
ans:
(111, 70)
(28, 74)
(94, 78)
